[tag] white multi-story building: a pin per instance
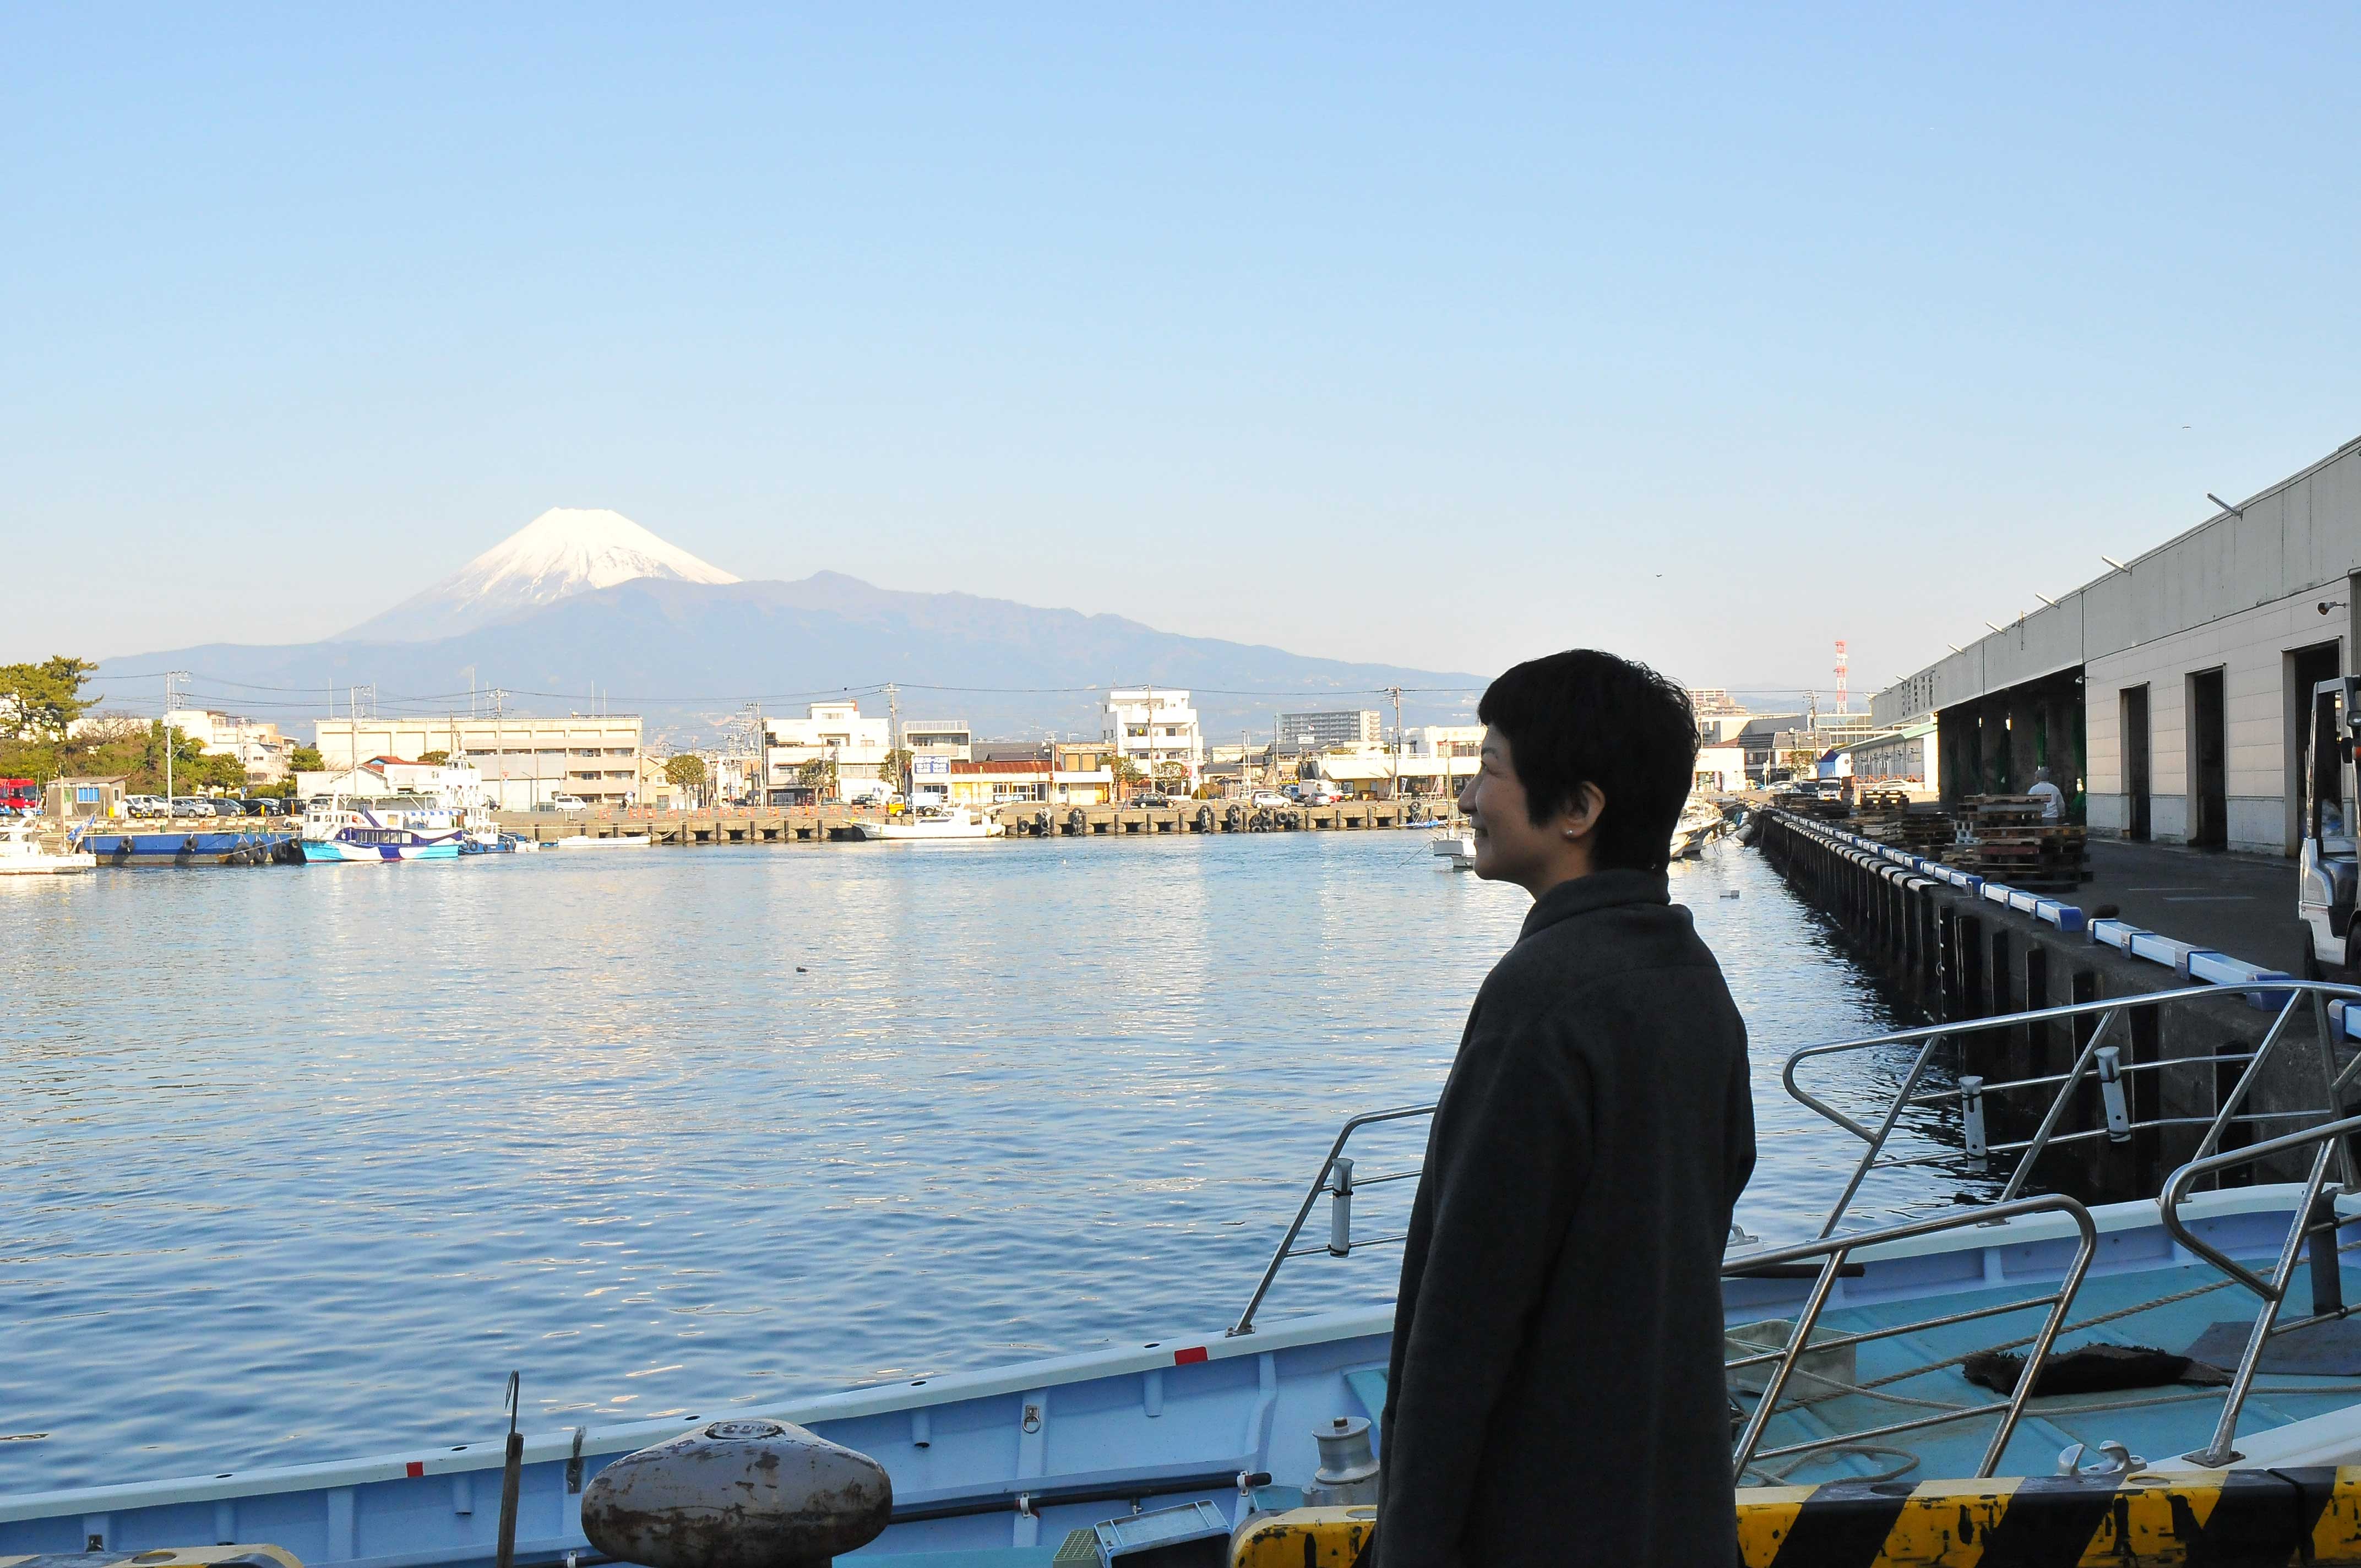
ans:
(828, 732)
(1444, 740)
(593, 757)
(947, 738)
(257, 745)
(1325, 732)
(1155, 727)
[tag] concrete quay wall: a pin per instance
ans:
(1952, 954)
(1026, 819)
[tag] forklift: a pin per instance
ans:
(2331, 862)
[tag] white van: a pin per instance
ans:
(560, 801)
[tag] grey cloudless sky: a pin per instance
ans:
(1444, 336)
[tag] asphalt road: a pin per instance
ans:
(2236, 903)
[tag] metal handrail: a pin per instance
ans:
(1342, 1192)
(1930, 1037)
(1836, 1249)
(2330, 1138)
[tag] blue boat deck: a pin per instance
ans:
(2166, 1308)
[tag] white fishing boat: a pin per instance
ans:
(1700, 822)
(23, 854)
(585, 841)
(1456, 845)
(928, 823)
(1851, 1359)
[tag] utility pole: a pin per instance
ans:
(759, 763)
(894, 736)
(171, 679)
(1395, 692)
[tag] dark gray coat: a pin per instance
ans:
(1556, 1394)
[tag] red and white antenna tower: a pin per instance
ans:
(1843, 664)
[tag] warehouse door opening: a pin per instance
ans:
(2302, 669)
(2135, 781)
(2208, 778)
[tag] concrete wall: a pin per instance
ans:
(2250, 648)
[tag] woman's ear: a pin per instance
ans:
(1579, 818)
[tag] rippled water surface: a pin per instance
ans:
(298, 1164)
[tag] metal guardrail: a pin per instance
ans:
(1834, 1251)
(2315, 1214)
(2096, 1062)
(1336, 1178)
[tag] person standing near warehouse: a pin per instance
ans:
(2052, 798)
(1556, 1392)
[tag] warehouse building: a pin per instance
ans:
(2167, 696)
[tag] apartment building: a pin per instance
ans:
(1340, 727)
(523, 761)
(1155, 729)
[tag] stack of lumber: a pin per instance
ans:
(1831, 808)
(2002, 837)
(1891, 818)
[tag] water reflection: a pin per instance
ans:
(300, 1163)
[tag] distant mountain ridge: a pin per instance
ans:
(687, 644)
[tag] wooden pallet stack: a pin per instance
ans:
(1891, 818)
(2002, 837)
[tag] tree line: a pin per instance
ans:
(48, 730)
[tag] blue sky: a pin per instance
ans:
(1709, 335)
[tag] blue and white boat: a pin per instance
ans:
(389, 828)
(1845, 1361)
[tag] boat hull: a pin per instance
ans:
(193, 848)
(336, 851)
(46, 865)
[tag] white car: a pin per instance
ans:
(1263, 797)
(560, 801)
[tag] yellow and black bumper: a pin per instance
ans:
(2203, 1518)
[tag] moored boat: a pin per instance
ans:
(932, 822)
(371, 830)
(22, 854)
(1458, 845)
(585, 841)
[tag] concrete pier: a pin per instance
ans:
(1952, 954)
(1023, 819)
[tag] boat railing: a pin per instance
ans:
(1834, 1251)
(2098, 1061)
(2315, 1223)
(1337, 1178)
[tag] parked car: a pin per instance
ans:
(1269, 797)
(266, 806)
(191, 806)
(143, 805)
(1152, 801)
(560, 801)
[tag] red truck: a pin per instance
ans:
(19, 798)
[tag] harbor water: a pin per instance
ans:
(299, 1164)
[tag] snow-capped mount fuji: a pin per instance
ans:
(563, 552)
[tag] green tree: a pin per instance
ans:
(894, 769)
(434, 759)
(1126, 773)
(306, 760)
(688, 769)
(819, 774)
(40, 702)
